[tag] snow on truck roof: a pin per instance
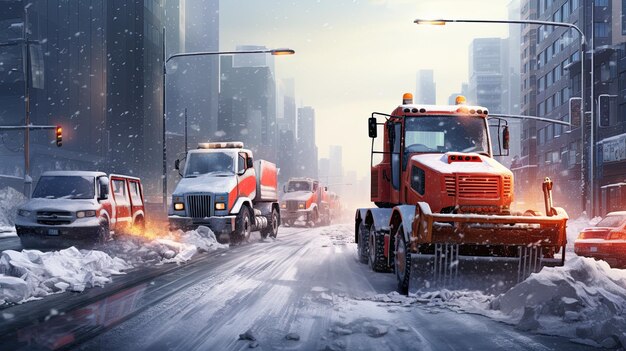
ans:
(74, 173)
(409, 108)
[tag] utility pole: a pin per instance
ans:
(28, 181)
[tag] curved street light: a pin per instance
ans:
(583, 43)
(275, 52)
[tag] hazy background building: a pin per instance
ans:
(307, 149)
(426, 89)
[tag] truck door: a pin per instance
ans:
(136, 198)
(395, 139)
(121, 202)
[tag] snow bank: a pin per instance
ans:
(35, 274)
(177, 247)
(10, 200)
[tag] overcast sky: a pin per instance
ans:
(359, 56)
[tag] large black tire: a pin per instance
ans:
(104, 233)
(272, 226)
(363, 243)
(402, 262)
(376, 258)
(243, 227)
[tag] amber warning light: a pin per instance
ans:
(59, 131)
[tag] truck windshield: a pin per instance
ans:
(440, 134)
(298, 186)
(66, 187)
(209, 162)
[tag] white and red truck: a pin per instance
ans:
(78, 207)
(224, 189)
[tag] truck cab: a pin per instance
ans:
(76, 207)
(222, 188)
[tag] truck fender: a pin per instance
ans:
(359, 217)
(239, 203)
(403, 214)
(138, 214)
(378, 218)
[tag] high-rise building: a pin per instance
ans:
(106, 95)
(426, 89)
(485, 73)
(306, 142)
(563, 153)
(248, 103)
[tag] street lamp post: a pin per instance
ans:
(441, 22)
(275, 52)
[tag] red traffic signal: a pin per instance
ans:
(59, 131)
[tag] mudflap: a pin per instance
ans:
(446, 269)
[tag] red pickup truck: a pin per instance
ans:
(76, 207)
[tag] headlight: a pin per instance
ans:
(301, 206)
(283, 205)
(179, 206)
(23, 213)
(89, 213)
(220, 206)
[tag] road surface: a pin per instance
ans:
(306, 285)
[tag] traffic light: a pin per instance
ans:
(59, 131)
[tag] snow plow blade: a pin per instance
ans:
(483, 252)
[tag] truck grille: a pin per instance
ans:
(292, 205)
(54, 217)
(507, 186)
(478, 187)
(199, 206)
(450, 185)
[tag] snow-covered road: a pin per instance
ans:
(307, 285)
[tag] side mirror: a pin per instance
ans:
(249, 162)
(325, 188)
(505, 138)
(284, 188)
(371, 126)
(103, 185)
(177, 165)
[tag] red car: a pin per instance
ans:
(605, 241)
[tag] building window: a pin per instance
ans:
(602, 3)
(575, 5)
(550, 132)
(573, 154)
(540, 109)
(601, 29)
(622, 81)
(542, 136)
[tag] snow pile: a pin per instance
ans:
(10, 200)
(35, 274)
(585, 299)
(177, 247)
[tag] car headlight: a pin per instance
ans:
(283, 205)
(301, 206)
(179, 206)
(23, 213)
(220, 206)
(88, 213)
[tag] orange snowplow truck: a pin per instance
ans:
(444, 204)
(305, 200)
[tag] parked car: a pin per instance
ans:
(77, 207)
(605, 241)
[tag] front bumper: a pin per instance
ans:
(295, 215)
(58, 235)
(219, 224)
(611, 251)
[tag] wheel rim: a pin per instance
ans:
(274, 223)
(246, 225)
(400, 258)
(372, 249)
